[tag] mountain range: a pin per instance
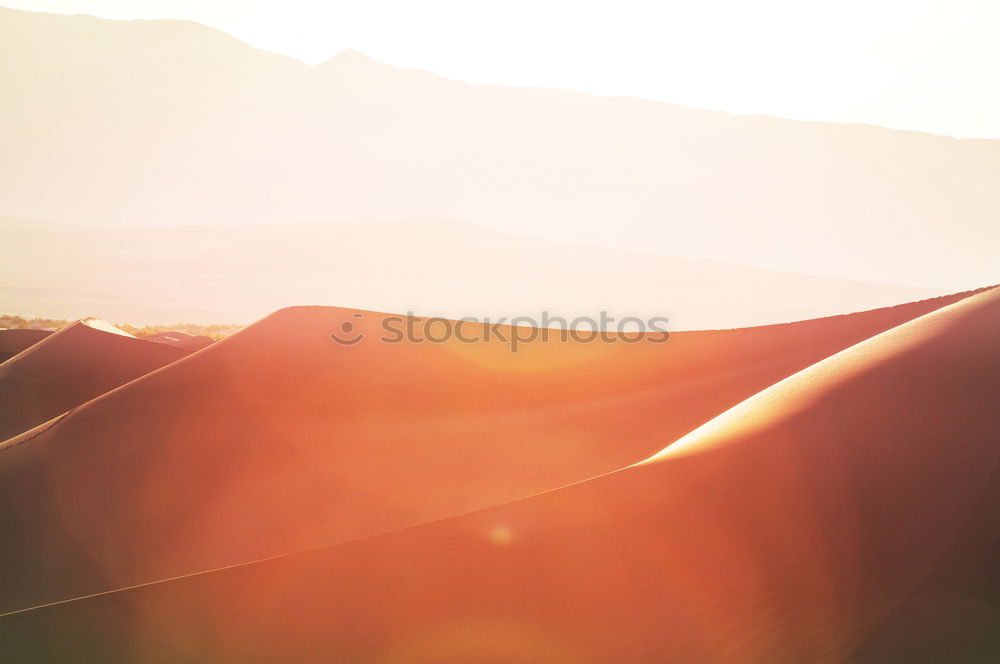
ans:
(165, 123)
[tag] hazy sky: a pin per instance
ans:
(929, 65)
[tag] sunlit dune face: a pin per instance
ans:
(104, 326)
(500, 535)
(541, 350)
(806, 388)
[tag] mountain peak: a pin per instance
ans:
(350, 58)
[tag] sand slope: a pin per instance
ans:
(79, 362)
(14, 341)
(277, 439)
(848, 513)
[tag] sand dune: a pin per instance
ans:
(848, 513)
(277, 439)
(183, 340)
(14, 341)
(72, 366)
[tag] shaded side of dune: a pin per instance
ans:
(14, 341)
(277, 439)
(68, 368)
(847, 513)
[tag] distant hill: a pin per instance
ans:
(159, 123)
(429, 266)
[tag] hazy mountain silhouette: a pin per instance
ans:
(430, 266)
(139, 123)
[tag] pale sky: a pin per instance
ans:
(926, 65)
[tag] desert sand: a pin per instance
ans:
(72, 366)
(183, 340)
(846, 513)
(14, 341)
(277, 439)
